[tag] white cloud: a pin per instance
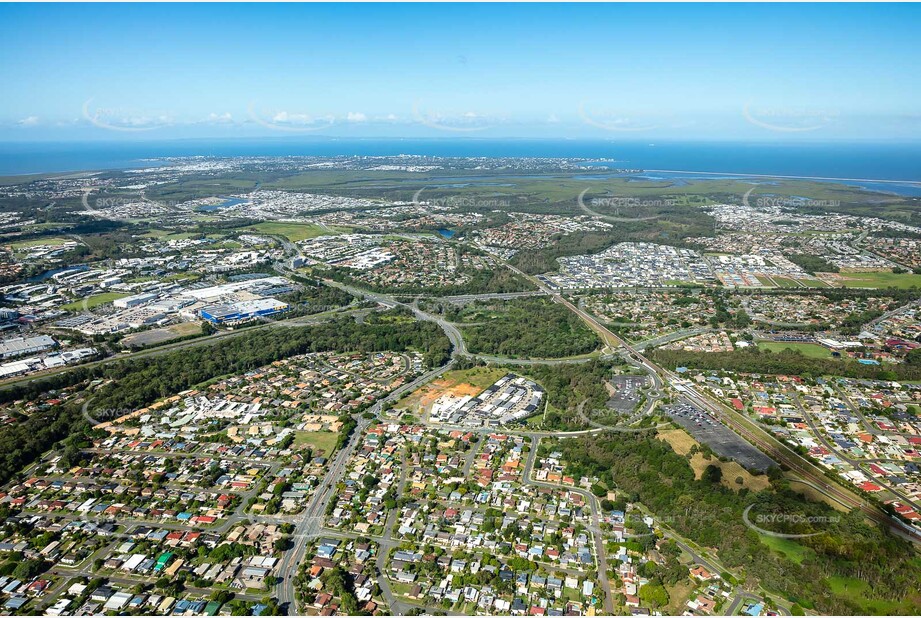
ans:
(286, 118)
(220, 118)
(356, 117)
(28, 121)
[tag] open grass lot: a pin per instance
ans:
(857, 592)
(161, 335)
(318, 441)
(681, 442)
(812, 350)
(785, 282)
(731, 471)
(788, 547)
(880, 280)
(811, 493)
(38, 242)
(678, 595)
(292, 231)
(94, 301)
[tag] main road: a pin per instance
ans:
(310, 521)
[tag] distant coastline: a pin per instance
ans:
(890, 163)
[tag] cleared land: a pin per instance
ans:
(38, 242)
(788, 547)
(459, 382)
(160, 335)
(857, 592)
(880, 280)
(321, 443)
(785, 282)
(94, 301)
(812, 350)
(292, 231)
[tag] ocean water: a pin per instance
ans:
(859, 161)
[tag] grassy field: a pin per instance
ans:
(161, 335)
(292, 231)
(812, 350)
(784, 282)
(38, 242)
(318, 441)
(811, 493)
(681, 442)
(857, 591)
(678, 595)
(788, 547)
(94, 301)
(880, 280)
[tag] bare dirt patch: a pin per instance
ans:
(456, 383)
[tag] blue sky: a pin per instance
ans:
(781, 72)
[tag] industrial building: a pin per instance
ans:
(134, 301)
(511, 398)
(242, 310)
(25, 345)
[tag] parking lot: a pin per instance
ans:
(627, 394)
(724, 442)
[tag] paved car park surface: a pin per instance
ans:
(628, 395)
(724, 442)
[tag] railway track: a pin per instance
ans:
(743, 427)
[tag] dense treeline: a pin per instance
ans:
(136, 383)
(486, 281)
(568, 386)
(785, 362)
(143, 382)
(536, 261)
(532, 327)
(812, 264)
(705, 511)
(660, 219)
(900, 295)
(314, 297)
(23, 442)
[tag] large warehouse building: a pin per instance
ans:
(242, 310)
(25, 345)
